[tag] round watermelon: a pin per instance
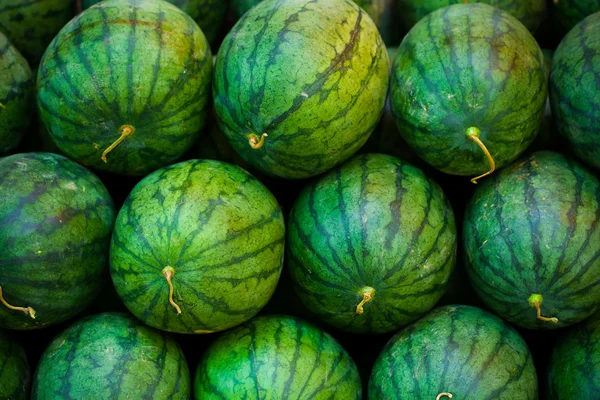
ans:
(56, 218)
(276, 357)
(568, 13)
(372, 244)
(532, 242)
(295, 101)
(197, 247)
(16, 95)
(112, 356)
(468, 89)
(575, 364)
(458, 352)
(574, 94)
(15, 379)
(125, 85)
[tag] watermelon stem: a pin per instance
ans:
(255, 142)
(535, 300)
(367, 293)
(2, 105)
(27, 310)
(169, 272)
(473, 134)
(126, 130)
(446, 394)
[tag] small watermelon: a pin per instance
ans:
(295, 101)
(273, 358)
(458, 352)
(575, 89)
(125, 85)
(197, 247)
(56, 218)
(15, 377)
(16, 95)
(575, 363)
(112, 356)
(468, 89)
(372, 244)
(568, 13)
(532, 242)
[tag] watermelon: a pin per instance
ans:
(276, 357)
(112, 356)
(468, 89)
(532, 242)
(56, 218)
(291, 99)
(568, 13)
(15, 379)
(110, 112)
(529, 12)
(459, 352)
(574, 93)
(31, 24)
(16, 95)
(575, 364)
(371, 245)
(197, 247)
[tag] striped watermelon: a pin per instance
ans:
(276, 357)
(574, 90)
(468, 79)
(112, 356)
(56, 218)
(458, 352)
(15, 379)
(372, 244)
(16, 95)
(532, 242)
(568, 13)
(575, 365)
(125, 85)
(197, 247)
(293, 100)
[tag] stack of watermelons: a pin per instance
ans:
(300, 199)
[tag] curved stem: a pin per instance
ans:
(255, 142)
(2, 105)
(126, 130)
(27, 310)
(445, 394)
(203, 331)
(535, 300)
(169, 273)
(473, 134)
(368, 293)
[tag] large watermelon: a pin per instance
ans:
(274, 358)
(125, 85)
(15, 377)
(372, 244)
(197, 247)
(468, 79)
(575, 90)
(532, 242)
(16, 95)
(56, 218)
(31, 24)
(568, 13)
(112, 356)
(575, 365)
(293, 100)
(457, 352)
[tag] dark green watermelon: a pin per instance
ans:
(108, 109)
(463, 74)
(273, 358)
(210, 229)
(112, 356)
(568, 13)
(293, 100)
(575, 364)
(458, 352)
(575, 90)
(16, 95)
(15, 377)
(372, 244)
(31, 24)
(532, 241)
(56, 218)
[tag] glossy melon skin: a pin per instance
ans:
(15, 375)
